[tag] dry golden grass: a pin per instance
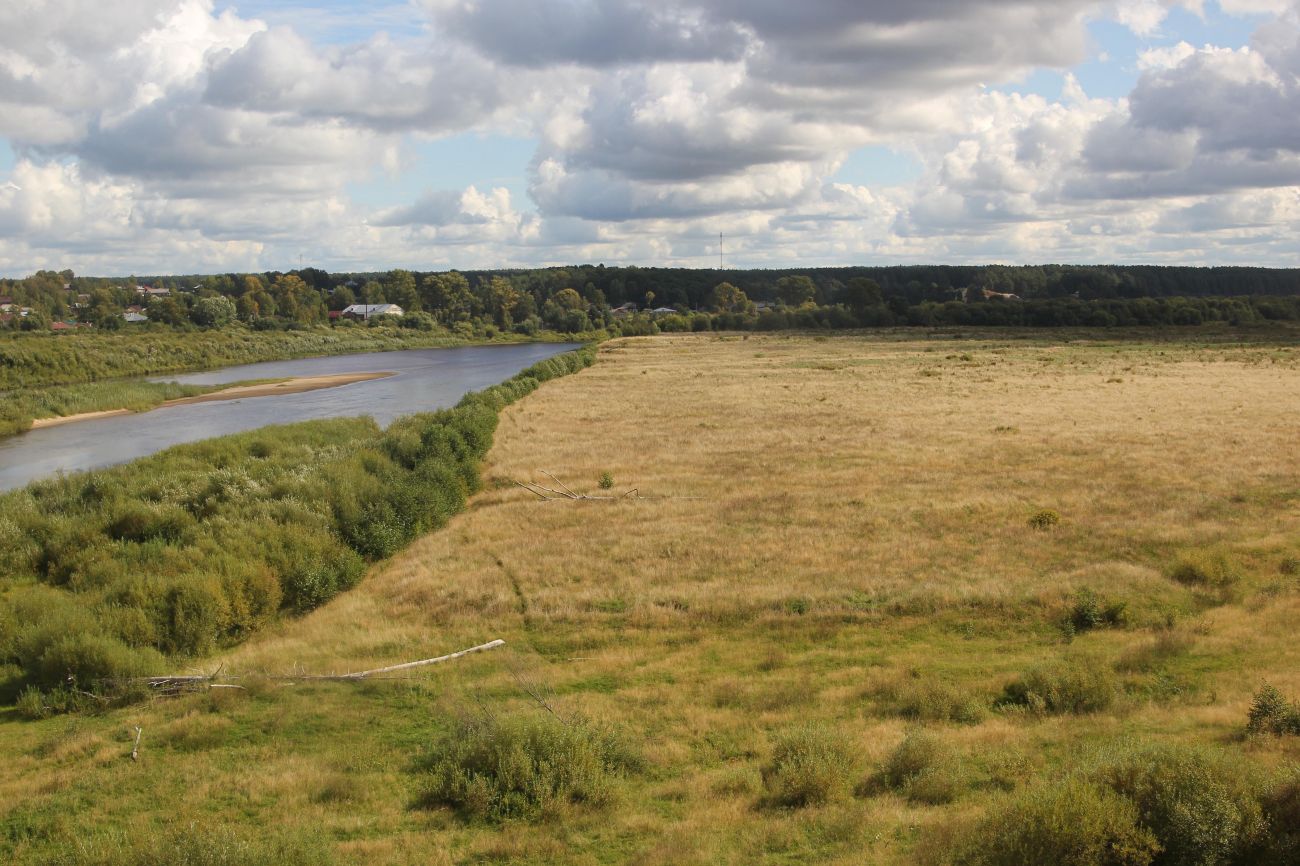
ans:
(821, 522)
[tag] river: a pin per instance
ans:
(426, 379)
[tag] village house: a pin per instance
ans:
(370, 311)
(151, 292)
(135, 317)
(623, 311)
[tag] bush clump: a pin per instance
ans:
(923, 769)
(524, 768)
(1044, 519)
(1281, 803)
(1072, 823)
(1074, 685)
(810, 765)
(1272, 713)
(1199, 806)
(1090, 611)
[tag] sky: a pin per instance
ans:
(202, 136)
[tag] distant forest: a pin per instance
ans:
(581, 298)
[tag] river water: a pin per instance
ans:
(426, 379)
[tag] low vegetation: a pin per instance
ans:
(200, 546)
(811, 765)
(823, 624)
(530, 767)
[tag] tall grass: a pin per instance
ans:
(201, 545)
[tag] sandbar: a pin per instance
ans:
(296, 385)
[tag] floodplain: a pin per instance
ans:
(938, 572)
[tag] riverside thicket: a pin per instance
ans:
(198, 546)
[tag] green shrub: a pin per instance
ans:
(1090, 611)
(606, 481)
(1272, 713)
(1207, 569)
(88, 659)
(523, 768)
(923, 769)
(1072, 823)
(1073, 685)
(1281, 804)
(810, 765)
(1044, 519)
(1199, 805)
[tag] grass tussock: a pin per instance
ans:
(924, 769)
(922, 698)
(811, 765)
(1075, 684)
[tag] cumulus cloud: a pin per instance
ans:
(163, 127)
(379, 84)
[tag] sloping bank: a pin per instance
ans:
(105, 574)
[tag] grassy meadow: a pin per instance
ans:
(874, 598)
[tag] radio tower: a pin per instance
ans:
(719, 250)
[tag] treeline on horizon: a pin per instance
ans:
(585, 298)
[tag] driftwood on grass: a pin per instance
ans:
(360, 675)
(549, 494)
(169, 685)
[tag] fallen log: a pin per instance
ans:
(181, 680)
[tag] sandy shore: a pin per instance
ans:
(289, 386)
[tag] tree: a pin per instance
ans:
(342, 298)
(214, 312)
(569, 299)
(795, 291)
(255, 302)
(296, 300)
(567, 312)
(448, 296)
(727, 298)
(502, 296)
(860, 295)
(399, 288)
(36, 320)
(167, 311)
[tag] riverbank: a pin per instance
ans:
(296, 385)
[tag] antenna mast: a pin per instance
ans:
(719, 250)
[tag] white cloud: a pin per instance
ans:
(156, 134)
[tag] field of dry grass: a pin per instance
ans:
(828, 529)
